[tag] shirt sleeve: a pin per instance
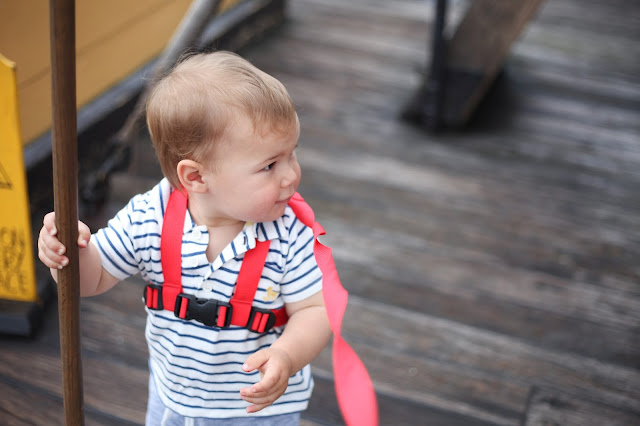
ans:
(116, 247)
(302, 277)
(131, 240)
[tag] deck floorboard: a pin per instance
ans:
(493, 270)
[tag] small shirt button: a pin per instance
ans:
(197, 234)
(207, 286)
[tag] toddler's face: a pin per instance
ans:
(255, 175)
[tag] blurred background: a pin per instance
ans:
(476, 164)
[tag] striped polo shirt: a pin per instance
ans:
(198, 368)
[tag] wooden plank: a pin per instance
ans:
(423, 348)
(113, 325)
(384, 21)
(431, 266)
(545, 208)
(102, 377)
(382, 71)
(401, 11)
(18, 402)
(115, 366)
(590, 14)
(24, 405)
(552, 407)
(323, 409)
(451, 390)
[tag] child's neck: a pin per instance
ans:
(221, 230)
(220, 237)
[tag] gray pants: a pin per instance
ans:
(159, 415)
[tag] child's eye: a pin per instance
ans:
(269, 167)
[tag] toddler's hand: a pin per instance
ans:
(275, 368)
(50, 249)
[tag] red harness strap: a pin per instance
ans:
(171, 248)
(239, 311)
(354, 389)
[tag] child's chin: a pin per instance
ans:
(275, 213)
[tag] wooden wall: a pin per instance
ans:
(113, 38)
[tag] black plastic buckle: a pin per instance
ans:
(270, 322)
(202, 310)
(155, 288)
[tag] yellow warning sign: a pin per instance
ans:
(17, 275)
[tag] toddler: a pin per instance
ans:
(225, 135)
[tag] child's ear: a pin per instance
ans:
(190, 174)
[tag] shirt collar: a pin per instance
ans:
(273, 230)
(261, 231)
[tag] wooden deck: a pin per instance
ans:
(493, 272)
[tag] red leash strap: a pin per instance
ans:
(171, 248)
(354, 389)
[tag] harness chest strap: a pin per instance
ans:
(239, 311)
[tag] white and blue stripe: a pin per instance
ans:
(198, 368)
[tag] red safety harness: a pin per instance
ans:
(214, 313)
(354, 390)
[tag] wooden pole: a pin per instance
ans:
(65, 190)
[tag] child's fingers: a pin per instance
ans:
(51, 258)
(252, 394)
(260, 400)
(268, 381)
(257, 361)
(49, 223)
(257, 392)
(50, 249)
(257, 407)
(273, 366)
(51, 242)
(264, 393)
(84, 234)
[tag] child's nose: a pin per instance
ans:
(290, 176)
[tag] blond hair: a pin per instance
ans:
(188, 111)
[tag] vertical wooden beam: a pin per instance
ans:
(480, 47)
(65, 185)
(473, 57)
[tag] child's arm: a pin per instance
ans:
(93, 278)
(306, 334)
